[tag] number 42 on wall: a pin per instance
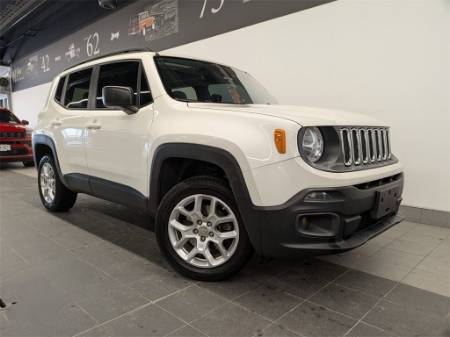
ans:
(215, 10)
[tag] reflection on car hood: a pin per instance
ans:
(305, 116)
(10, 127)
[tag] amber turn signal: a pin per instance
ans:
(279, 137)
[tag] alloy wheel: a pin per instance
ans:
(203, 231)
(47, 183)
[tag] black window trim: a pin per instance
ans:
(63, 93)
(141, 71)
(67, 82)
(94, 80)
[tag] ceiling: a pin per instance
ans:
(26, 25)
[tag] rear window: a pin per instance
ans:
(59, 89)
(77, 92)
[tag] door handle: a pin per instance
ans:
(56, 123)
(93, 126)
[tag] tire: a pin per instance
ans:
(29, 163)
(178, 207)
(60, 199)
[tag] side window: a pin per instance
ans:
(59, 89)
(119, 74)
(77, 93)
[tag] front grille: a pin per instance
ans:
(364, 145)
(12, 134)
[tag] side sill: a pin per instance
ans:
(107, 190)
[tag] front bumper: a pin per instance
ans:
(21, 150)
(355, 215)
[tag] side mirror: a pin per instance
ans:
(119, 98)
(25, 122)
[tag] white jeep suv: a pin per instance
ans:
(225, 170)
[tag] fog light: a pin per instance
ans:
(323, 196)
(318, 225)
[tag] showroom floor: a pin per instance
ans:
(97, 271)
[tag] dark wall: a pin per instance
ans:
(169, 23)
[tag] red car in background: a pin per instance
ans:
(15, 139)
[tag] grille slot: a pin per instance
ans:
(364, 146)
(12, 134)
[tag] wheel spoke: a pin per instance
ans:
(184, 212)
(227, 235)
(211, 260)
(198, 201)
(221, 248)
(191, 254)
(225, 219)
(212, 207)
(179, 226)
(181, 242)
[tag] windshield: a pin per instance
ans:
(198, 81)
(8, 117)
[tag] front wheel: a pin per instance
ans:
(54, 195)
(200, 230)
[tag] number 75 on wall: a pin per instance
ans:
(217, 9)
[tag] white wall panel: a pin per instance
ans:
(27, 103)
(385, 58)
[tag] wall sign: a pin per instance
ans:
(157, 24)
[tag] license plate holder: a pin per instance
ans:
(5, 147)
(386, 202)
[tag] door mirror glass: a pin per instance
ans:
(25, 122)
(119, 98)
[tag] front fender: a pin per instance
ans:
(226, 161)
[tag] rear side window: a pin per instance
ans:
(77, 93)
(59, 89)
(123, 74)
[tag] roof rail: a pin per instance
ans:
(113, 54)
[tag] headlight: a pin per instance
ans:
(312, 144)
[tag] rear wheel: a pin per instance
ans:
(54, 195)
(199, 229)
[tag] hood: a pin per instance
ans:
(11, 127)
(305, 116)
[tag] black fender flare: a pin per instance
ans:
(223, 159)
(40, 139)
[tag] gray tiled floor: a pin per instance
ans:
(97, 271)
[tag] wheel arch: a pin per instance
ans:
(215, 156)
(44, 145)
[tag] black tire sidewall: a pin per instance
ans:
(217, 189)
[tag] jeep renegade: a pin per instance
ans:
(223, 168)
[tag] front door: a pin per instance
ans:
(117, 143)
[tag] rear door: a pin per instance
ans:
(117, 143)
(68, 126)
